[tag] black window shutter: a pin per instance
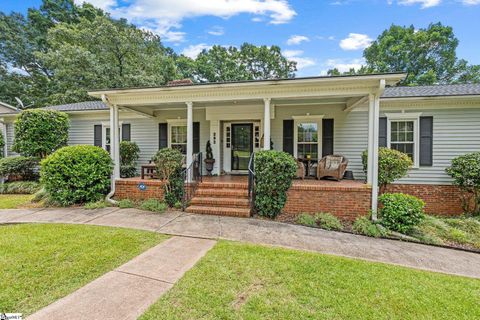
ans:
(97, 135)
(162, 135)
(288, 136)
(426, 141)
(126, 132)
(196, 137)
(327, 137)
(382, 133)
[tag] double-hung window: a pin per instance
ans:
(178, 138)
(307, 140)
(403, 134)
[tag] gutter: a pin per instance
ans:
(109, 196)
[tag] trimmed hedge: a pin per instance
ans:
(169, 168)
(39, 132)
(400, 212)
(465, 171)
(274, 172)
(19, 167)
(77, 174)
(20, 187)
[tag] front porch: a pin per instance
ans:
(228, 195)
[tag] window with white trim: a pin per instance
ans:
(178, 138)
(403, 134)
(307, 140)
(106, 138)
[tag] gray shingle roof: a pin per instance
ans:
(79, 106)
(432, 91)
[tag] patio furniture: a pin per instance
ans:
(333, 166)
(149, 170)
(309, 165)
(300, 169)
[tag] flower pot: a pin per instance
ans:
(209, 165)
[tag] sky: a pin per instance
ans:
(318, 34)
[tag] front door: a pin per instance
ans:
(242, 145)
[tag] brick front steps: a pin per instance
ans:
(221, 198)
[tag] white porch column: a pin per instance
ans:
(115, 141)
(266, 124)
(371, 124)
(189, 133)
(3, 127)
(376, 128)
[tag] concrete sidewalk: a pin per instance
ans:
(126, 292)
(264, 232)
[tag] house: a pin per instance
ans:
(313, 116)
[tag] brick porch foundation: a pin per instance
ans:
(138, 189)
(439, 199)
(346, 200)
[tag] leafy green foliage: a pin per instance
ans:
(126, 203)
(153, 205)
(322, 220)
(169, 168)
(392, 165)
(77, 174)
(465, 171)
(129, 154)
(20, 187)
(274, 172)
(38, 133)
(96, 205)
(2, 145)
(400, 212)
(23, 167)
(365, 226)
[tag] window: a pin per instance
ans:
(307, 140)
(178, 138)
(403, 134)
(107, 141)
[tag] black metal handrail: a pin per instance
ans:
(192, 176)
(251, 182)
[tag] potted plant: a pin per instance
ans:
(209, 161)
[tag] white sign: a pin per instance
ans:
(10, 316)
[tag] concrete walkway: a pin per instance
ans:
(267, 233)
(126, 292)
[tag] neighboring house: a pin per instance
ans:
(316, 116)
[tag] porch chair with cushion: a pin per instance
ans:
(300, 169)
(333, 166)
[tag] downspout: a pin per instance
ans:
(109, 196)
(376, 125)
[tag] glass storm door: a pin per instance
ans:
(242, 146)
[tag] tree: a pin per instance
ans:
(250, 62)
(40, 132)
(427, 55)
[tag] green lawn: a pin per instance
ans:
(42, 263)
(12, 201)
(238, 281)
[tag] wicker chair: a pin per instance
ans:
(300, 170)
(333, 166)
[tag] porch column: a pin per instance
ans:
(115, 140)
(266, 124)
(371, 124)
(189, 133)
(376, 128)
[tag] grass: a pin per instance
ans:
(239, 281)
(96, 205)
(42, 263)
(13, 201)
(459, 231)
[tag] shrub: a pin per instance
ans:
(274, 171)
(77, 174)
(20, 187)
(401, 212)
(96, 205)
(169, 169)
(306, 219)
(129, 154)
(2, 144)
(465, 171)
(40, 132)
(126, 203)
(328, 221)
(363, 225)
(23, 167)
(392, 165)
(153, 205)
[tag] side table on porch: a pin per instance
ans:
(149, 170)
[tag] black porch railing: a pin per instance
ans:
(251, 182)
(192, 176)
